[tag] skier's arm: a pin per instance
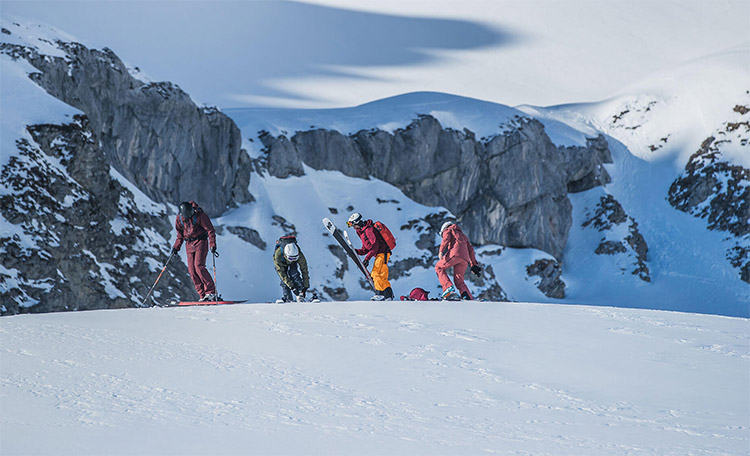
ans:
(205, 222)
(472, 256)
(443, 247)
(178, 227)
(371, 240)
(302, 261)
(449, 241)
(367, 242)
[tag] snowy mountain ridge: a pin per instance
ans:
(636, 264)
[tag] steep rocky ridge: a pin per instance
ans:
(620, 235)
(715, 189)
(78, 240)
(510, 189)
(152, 133)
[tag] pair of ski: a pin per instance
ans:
(343, 239)
(340, 236)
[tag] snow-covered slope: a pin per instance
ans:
(686, 263)
(655, 126)
(375, 378)
(298, 204)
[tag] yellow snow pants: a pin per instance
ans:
(380, 271)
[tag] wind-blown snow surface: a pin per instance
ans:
(375, 378)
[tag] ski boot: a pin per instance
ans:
(450, 294)
(465, 296)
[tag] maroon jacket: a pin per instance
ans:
(372, 242)
(197, 227)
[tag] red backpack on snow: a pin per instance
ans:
(386, 234)
(417, 294)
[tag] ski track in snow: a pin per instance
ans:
(360, 377)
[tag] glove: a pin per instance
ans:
(476, 270)
(175, 252)
(214, 252)
(365, 262)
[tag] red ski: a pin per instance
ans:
(206, 303)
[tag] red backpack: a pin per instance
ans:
(417, 294)
(386, 234)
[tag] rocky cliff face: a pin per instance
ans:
(152, 133)
(510, 189)
(620, 235)
(78, 240)
(718, 191)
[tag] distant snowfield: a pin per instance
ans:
(375, 378)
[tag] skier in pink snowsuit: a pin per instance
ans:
(457, 252)
(196, 230)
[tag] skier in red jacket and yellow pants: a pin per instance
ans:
(373, 245)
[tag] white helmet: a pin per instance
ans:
(291, 252)
(355, 219)
(445, 225)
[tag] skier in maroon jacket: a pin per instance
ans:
(196, 230)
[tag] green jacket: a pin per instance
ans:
(281, 265)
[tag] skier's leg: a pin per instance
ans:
(197, 283)
(441, 268)
(380, 273)
(459, 272)
(286, 293)
(295, 275)
(201, 251)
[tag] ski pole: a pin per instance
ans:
(157, 279)
(214, 254)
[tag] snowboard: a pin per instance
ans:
(343, 238)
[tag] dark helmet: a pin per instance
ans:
(186, 210)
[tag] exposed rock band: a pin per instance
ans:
(195, 230)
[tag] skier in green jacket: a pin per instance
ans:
(291, 265)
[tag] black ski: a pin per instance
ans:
(348, 248)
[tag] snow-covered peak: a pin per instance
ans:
(667, 115)
(41, 37)
(485, 119)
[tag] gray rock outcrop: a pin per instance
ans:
(152, 133)
(510, 189)
(718, 191)
(78, 240)
(549, 271)
(609, 214)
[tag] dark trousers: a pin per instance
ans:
(292, 271)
